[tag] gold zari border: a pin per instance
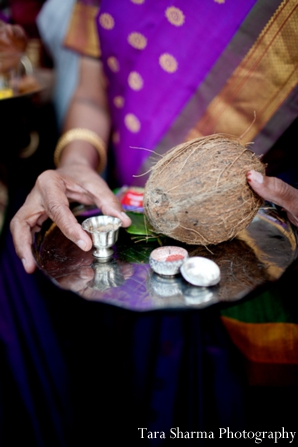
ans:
(82, 33)
(265, 342)
(261, 82)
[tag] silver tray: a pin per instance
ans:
(260, 254)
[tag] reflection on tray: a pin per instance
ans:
(258, 255)
(109, 275)
(161, 287)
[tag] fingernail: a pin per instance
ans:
(81, 244)
(256, 176)
(124, 214)
(24, 262)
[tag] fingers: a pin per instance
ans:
(50, 198)
(111, 207)
(96, 191)
(276, 191)
(47, 199)
(51, 188)
(12, 38)
(22, 239)
(17, 32)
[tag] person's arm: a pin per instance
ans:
(88, 110)
(76, 178)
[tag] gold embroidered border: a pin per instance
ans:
(260, 84)
(265, 342)
(82, 33)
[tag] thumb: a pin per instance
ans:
(276, 191)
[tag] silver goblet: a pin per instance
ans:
(104, 232)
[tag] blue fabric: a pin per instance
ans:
(74, 370)
(33, 361)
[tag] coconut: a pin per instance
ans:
(197, 193)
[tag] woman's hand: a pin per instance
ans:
(50, 198)
(276, 191)
(76, 178)
(13, 42)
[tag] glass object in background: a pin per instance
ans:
(13, 66)
(9, 63)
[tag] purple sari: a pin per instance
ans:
(155, 56)
(75, 372)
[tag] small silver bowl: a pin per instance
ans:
(167, 260)
(200, 271)
(104, 231)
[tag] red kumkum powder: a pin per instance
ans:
(174, 257)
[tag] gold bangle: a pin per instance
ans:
(86, 135)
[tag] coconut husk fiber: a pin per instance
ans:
(197, 193)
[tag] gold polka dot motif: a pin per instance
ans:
(138, 2)
(132, 123)
(113, 64)
(119, 102)
(135, 81)
(168, 63)
(175, 16)
(137, 40)
(106, 21)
